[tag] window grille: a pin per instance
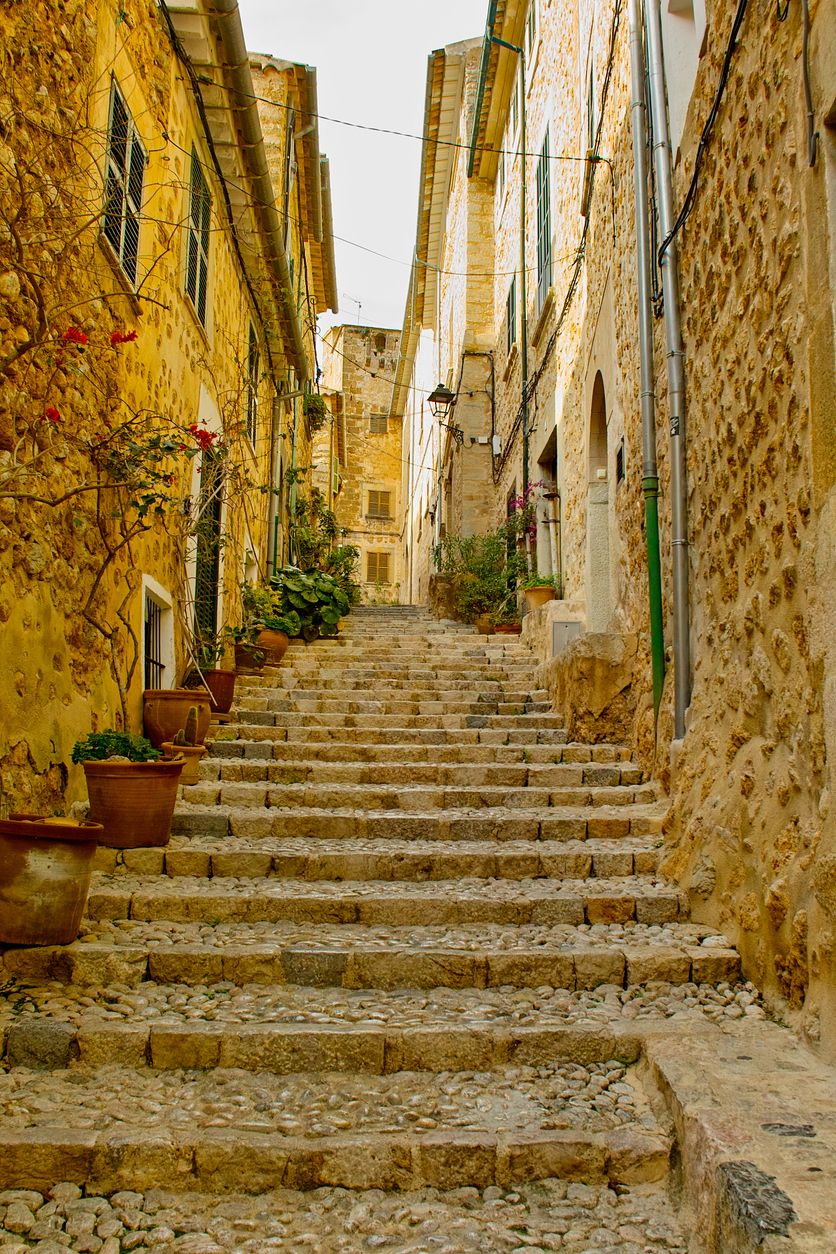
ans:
(511, 314)
(124, 176)
(208, 546)
(253, 369)
(377, 567)
(544, 226)
(378, 424)
(197, 251)
(153, 643)
(379, 505)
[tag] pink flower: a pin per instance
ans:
(123, 337)
(75, 335)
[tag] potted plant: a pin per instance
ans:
(132, 793)
(271, 625)
(538, 590)
(45, 869)
(314, 598)
(219, 682)
(186, 744)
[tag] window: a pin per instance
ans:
(544, 225)
(253, 366)
(158, 668)
(378, 424)
(380, 343)
(531, 29)
(154, 665)
(379, 505)
(511, 314)
(124, 175)
(197, 250)
(377, 568)
(335, 476)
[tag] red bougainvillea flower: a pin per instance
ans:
(204, 438)
(123, 337)
(75, 335)
(52, 414)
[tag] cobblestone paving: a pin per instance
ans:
(550, 1215)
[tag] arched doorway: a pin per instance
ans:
(598, 596)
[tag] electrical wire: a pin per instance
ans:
(691, 194)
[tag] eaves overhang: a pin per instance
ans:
(497, 74)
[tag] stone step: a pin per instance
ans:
(549, 823)
(434, 754)
(287, 1028)
(451, 1221)
(116, 1128)
(438, 687)
(413, 798)
(372, 721)
(519, 902)
(302, 732)
(351, 956)
(461, 774)
(311, 859)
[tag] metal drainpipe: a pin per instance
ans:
(292, 509)
(650, 473)
(503, 43)
(676, 372)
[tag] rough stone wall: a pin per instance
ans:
(360, 363)
(71, 607)
(753, 833)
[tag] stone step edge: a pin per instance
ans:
(99, 964)
(46, 1043)
(230, 1161)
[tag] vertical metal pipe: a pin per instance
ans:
(523, 272)
(650, 473)
(676, 372)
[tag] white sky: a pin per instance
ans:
(371, 63)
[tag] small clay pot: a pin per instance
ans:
(192, 755)
(538, 596)
(483, 624)
(221, 685)
(273, 644)
(249, 659)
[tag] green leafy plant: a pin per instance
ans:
(315, 411)
(99, 746)
(542, 581)
(264, 608)
(315, 597)
(484, 570)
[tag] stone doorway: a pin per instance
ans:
(598, 593)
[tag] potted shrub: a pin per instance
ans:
(270, 625)
(219, 683)
(45, 869)
(315, 598)
(132, 793)
(538, 590)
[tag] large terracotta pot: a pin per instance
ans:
(133, 801)
(165, 709)
(191, 755)
(535, 597)
(273, 644)
(221, 685)
(45, 869)
(483, 624)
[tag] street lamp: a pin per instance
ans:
(441, 400)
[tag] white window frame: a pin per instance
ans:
(161, 597)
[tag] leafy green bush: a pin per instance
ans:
(315, 597)
(99, 746)
(483, 569)
(263, 608)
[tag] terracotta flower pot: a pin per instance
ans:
(535, 597)
(221, 685)
(164, 712)
(45, 869)
(192, 755)
(508, 629)
(483, 624)
(133, 801)
(249, 659)
(274, 645)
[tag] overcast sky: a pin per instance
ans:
(371, 62)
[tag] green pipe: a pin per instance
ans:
(650, 487)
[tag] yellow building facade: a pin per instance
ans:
(156, 304)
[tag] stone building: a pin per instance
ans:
(526, 275)
(359, 368)
(164, 247)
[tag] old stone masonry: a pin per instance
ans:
(406, 979)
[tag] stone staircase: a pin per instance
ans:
(406, 978)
